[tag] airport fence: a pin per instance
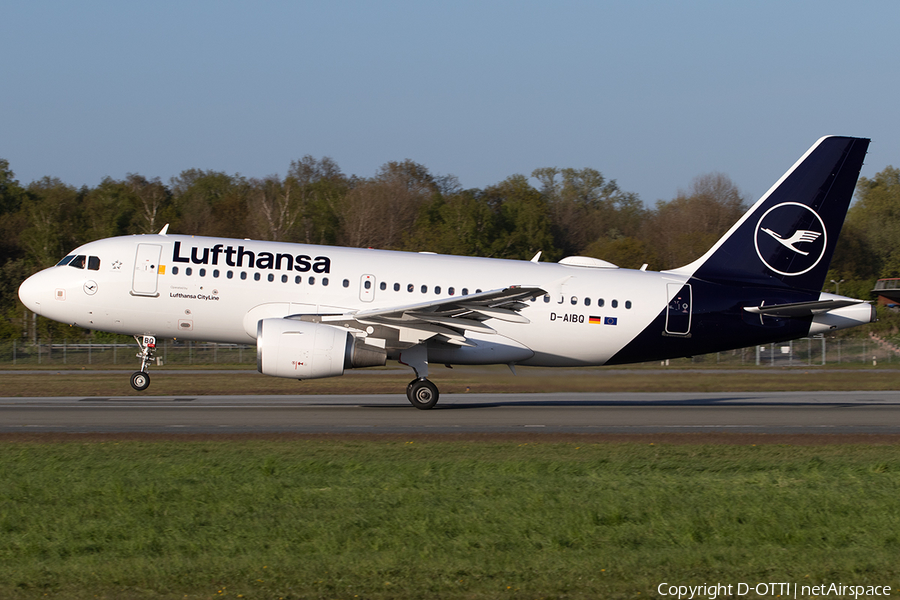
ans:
(804, 352)
(168, 352)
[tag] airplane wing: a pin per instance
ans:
(445, 319)
(800, 309)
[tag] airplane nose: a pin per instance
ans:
(30, 293)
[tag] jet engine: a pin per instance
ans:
(303, 350)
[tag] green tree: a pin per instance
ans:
(152, 203)
(461, 223)
(626, 252)
(524, 226)
(211, 203)
(320, 187)
(380, 212)
(868, 242)
(12, 217)
(11, 192)
(54, 221)
(682, 229)
(586, 207)
(108, 210)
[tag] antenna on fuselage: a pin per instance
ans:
(164, 229)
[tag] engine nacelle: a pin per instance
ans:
(304, 350)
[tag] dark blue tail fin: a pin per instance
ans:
(787, 238)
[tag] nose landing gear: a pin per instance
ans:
(140, 380)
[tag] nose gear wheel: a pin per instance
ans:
(140, 380)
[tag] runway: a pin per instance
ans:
(776, 413)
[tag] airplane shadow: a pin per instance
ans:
(723, 401)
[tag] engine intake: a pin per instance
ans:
(303, 350)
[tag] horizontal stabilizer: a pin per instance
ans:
(801, 309)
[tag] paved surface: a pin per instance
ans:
(770, 413)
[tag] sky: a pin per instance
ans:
(651, 94)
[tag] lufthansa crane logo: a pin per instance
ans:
(790, 239)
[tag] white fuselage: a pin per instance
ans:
(205, 289)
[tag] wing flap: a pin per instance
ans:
(443, 319)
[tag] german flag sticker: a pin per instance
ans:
(595, 320)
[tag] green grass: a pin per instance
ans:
(320, 518)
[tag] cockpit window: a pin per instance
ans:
(94, 263)
(78, 261)
(65, 261)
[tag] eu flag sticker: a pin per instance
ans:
(609, 320)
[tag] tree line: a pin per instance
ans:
(557, 211)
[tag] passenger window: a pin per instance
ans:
(628, 304)
(215, 272)
(547, 298)
(202, 272)
(174, 270)
(243, 275)
(396, 287)
(256, 277)
(437, 289)
(382, 286)
(284, 279)
(587, 301)
(574, 300)
(465, 291)
(188, 270)
(451, 291)
(312, 281)
(424, 289)
(93, 263)
(477, 291)
(410, 288)
(299, 279)
(77, 262)
(324, 281)
(600, 302)
(368, 284)
(615, 304)
(346, 283)
(270, 277)
(229, 274)
(65, 261)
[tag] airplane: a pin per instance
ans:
(315, 311)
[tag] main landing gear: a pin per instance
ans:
(140, 380)
(421, 393)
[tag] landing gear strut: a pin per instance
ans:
(140, 380)
(422, 393)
